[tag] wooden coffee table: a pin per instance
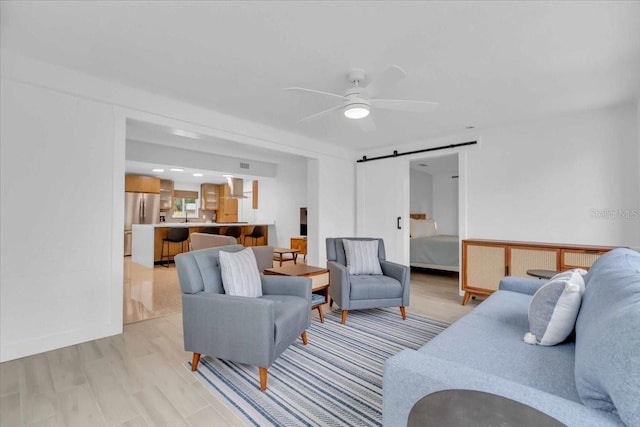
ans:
(278, 254)
(319, 281)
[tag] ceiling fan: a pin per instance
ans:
(357, 101)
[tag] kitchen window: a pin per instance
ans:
(185, 204)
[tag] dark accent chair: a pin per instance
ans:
(253, 331)
(353, 292)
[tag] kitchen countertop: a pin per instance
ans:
(198, 224)
(144, 237)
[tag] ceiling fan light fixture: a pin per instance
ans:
(356, 111)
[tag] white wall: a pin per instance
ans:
(60, 282)
(445, 203)
(421, 192)
(279, 201)
(331, 204)
(63, 150)
(549, 180)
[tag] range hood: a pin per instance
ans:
(235, 188)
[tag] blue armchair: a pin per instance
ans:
(353, 292)
(253, 331)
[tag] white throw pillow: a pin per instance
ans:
(569, 273)
(414, 227)
(423, 227)
(240, 275)
(362, 256)
(553, 310)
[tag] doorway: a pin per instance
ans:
(434, 246)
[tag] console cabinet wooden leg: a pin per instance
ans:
(465, 299)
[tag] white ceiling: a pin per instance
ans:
(211, 154)
(487, 63)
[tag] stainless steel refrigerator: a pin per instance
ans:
(139, 208)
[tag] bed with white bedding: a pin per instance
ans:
(431, 250)
(440, 252)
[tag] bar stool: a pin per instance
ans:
(233, 231)
(256, 233)
(175, 235)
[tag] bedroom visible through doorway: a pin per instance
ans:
(434, 235)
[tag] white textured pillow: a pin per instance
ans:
(415, 227)
(423, 227)
(568, 274)
(362, 256)
(240, 275)
(553, 310)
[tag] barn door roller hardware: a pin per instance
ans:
(425, 150)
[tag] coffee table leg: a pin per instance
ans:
(295, 257)
(319, 308)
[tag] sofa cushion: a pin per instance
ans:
(374, 287)
(489, 339)
(240, 275)
(553, 310)
(362, 256)
(608, 336)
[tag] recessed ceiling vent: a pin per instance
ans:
(244, 165)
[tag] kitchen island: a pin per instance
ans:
(146, 244)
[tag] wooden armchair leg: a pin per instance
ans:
(404, 313)
(195, 361)
(304, 337)
(344, 317)
(263, 379)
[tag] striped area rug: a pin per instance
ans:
(335, 380)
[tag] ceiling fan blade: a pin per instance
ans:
(320, 114)
(367, 124)
(388, 78)
(404, 105)
(319, 92)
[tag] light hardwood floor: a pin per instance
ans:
(138, 378)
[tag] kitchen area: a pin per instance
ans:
(175, 179)
(153, 206)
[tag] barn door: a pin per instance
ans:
(382, 209)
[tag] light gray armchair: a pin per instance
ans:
(253, 331)
(353, 292)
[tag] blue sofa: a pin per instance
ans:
(592, 380)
